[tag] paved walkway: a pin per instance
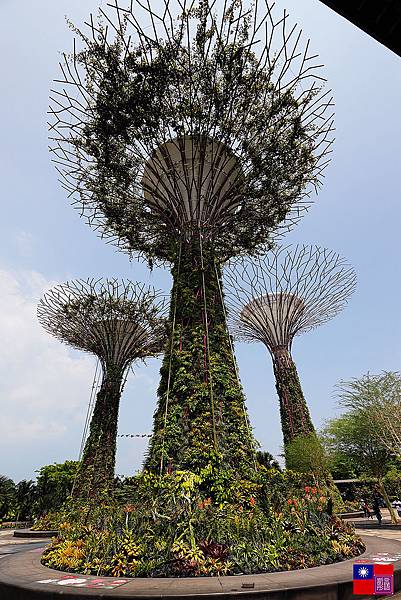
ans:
(24, 572)
(373, 523)
(7, 539)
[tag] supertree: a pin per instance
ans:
(187, 136)
(120, 323)
(272, 299)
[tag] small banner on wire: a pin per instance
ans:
(135, 435)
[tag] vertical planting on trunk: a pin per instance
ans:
(294, 412)
(96, 470)
(201, 415)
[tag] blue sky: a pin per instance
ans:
(45, 386)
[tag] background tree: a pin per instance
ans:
(24, 500)
(7, 495)
(266, 459)
(353, 435)
(54, 485)
(342, 466)
(380, 396)
(306, 454)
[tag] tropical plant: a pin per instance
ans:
(7, 495)
(380, 396)
(24, 500)
(353, 434)
(263, 457)
(53, 485)
(305, 454)
(207, 523)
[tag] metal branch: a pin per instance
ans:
(289, 291)
(178, 120)
(120, 322)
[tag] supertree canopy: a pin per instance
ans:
(222, 110)
(224, 107)
(189, 136)
(272, 299)
(120, 323)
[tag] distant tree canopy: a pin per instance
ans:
(379, 397)
(265, 459)
(7, 493)
(54, 484)
(354, 441)
(27, 499)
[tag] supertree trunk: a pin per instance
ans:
(294, 412)
(201, 415)
(96, 471)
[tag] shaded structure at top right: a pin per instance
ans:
(381, 20)
(272, 299)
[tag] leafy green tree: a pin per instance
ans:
(342, 466)
(380, 396)
(352, 435)
(267, 460)
(24, 501)
(305, 454)
(7, 495)
(54, 485)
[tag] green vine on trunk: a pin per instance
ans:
(295, 417)
(204, 419)
(96, 471)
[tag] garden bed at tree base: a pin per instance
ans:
(31, 533)
(20, 575)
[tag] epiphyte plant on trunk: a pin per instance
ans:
(187, 137)
(272, 299)
(120, 323)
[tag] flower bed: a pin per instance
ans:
(186, 524)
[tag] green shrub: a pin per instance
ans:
(187, 524)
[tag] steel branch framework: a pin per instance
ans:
(274, 298)
(190, 118)
(289, 291)
(117, 321)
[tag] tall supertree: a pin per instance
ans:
(187, 136)
(120, 323)
(272, 299)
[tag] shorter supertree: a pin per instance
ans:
(273, 299)
(119, 322)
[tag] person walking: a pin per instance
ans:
(365, 507)
(376, 507)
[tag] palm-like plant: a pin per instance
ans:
(7, 495)
(25, 495)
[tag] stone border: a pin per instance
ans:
(29, 533)
(351, 515)
(19, 574)
(376, 526)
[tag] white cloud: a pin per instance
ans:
(24, 242)
(44, 385)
